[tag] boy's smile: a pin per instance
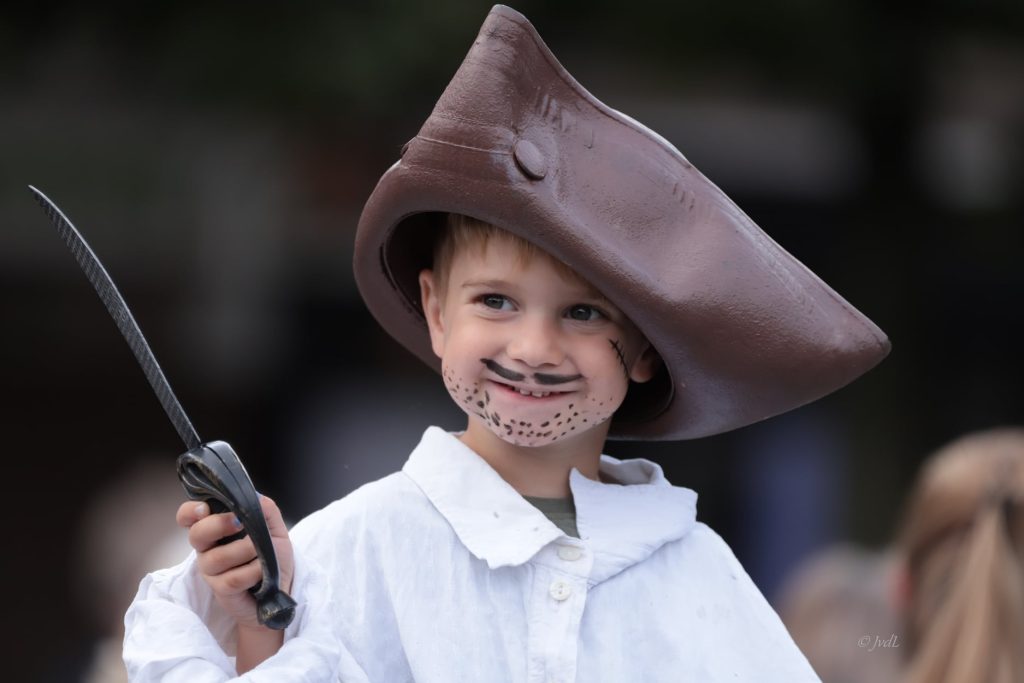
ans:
(533, 356)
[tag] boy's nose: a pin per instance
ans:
(535, 342)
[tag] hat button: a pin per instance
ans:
(530, 160)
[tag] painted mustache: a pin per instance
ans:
(539, 377)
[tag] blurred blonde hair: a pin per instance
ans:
(962, 543)
(464, 233)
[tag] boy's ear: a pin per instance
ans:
(431, 300)
(645, 365)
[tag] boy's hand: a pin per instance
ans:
(231, 569)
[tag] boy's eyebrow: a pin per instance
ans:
(585, 291)
(492, 284)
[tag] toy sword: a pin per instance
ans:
(209, 471)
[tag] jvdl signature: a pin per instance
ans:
(872, 643)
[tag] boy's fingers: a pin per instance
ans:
(282, 544)
(222, 558)
(237, 580)
(275, 522)
(205, 533)
(212, 528)
(191, 512)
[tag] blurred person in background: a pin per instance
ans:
(946, 603)
(837, 606)
(124, 533)
(961, 583)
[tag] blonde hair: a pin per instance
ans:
(464, 233)
(962, 544)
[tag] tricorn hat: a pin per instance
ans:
(745, 330)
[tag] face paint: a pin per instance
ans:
(501, 407)
(519, 359)
(617, 345)
(501, 371)
(544, 378)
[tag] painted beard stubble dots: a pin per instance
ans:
(526, 419)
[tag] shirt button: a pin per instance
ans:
(569, 553)
(560, 590)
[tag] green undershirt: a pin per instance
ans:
(561, 512)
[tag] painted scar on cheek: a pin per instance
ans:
(502, 371)
(617, 345)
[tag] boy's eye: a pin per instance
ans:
(496, 301)
(584, 313)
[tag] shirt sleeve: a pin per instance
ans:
(176, 631)
(769, 653)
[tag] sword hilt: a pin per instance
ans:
(212, 472)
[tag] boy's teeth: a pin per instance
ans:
(536, 394)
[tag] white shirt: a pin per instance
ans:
(444, 573)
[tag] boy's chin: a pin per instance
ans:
(524, 440)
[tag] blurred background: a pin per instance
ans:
(217, 156)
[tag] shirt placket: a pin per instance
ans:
(558, 597)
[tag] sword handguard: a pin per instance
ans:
(212, 472)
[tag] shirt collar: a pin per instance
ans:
(620, 523)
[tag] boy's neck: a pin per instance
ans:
(543, 471)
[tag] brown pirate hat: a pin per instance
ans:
(745, 330)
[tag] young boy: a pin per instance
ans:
(573, 278)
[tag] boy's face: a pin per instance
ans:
(529, 354)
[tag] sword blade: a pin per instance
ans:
(118, 309)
